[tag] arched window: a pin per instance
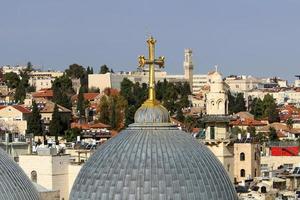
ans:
(242, 156)
(219, 103)
(243, 173)
(34, 176)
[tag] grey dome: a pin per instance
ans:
(151, 114)
(153, 163)
(14, 184)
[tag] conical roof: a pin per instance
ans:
(152, 159)
(14, 184)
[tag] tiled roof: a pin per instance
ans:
(87, 126)
(87, 96)
(48, 107)
(157, 163)
(17, 107)
(43, 93)
(21, 109)
(247, 122)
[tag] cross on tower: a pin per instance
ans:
(151, 61)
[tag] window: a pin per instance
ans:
(34, 176)
(255, 172)
(228, 167)
(242, 156)
(212, 132)
(255, 156)
(243, 173)
(264, 166)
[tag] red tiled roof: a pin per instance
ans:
(17, 107)
(111, 91)
(87, 126)
(247, 122)
(87, 96)
(21, 109)
(43, 93)
(99, 125)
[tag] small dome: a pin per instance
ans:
(151, 114)
(14, 184)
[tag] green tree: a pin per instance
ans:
(261, 137)
(257, 108)
(236, 103)
(129, 114)
(251, 130)
(34, 123)
(72, 133)
(240, 103)
(113, 115)
(55, 127)
(289, 123)
(270, 109)
(189, 123)
(90, 70)
(20, 93)
(104, 110)
(29, 67)
(75, 71)
(273, 115)
(11, 79)
(179, 115)
(273, 134)
(62, 91)
(104, 69)
(127, 91)
(80, 104)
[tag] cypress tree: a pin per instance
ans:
(104, 110)
(80, 104)
(34, 123)
(20, 93)
(55, 127)
(113, 117)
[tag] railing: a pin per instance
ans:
(10, 138)
(283, 143)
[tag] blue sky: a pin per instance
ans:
(258, 37)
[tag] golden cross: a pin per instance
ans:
(151, 61)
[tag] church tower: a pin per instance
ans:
(216, 122)
(216, 99)
(188, 67)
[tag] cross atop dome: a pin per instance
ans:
(151, 61)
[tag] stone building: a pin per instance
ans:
(216, 121)
(246, 160)
(188, 67)
(51, 171)
(13, 118)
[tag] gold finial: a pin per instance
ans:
(151, 61)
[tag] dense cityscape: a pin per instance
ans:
(251, 124)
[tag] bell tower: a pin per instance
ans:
(188, 67)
